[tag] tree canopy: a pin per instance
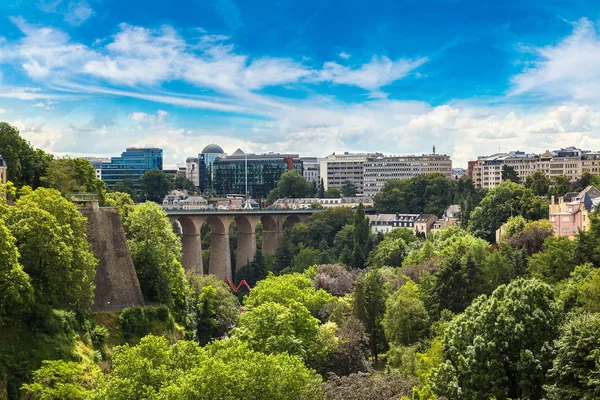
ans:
(155, 185)
(500, 203)
(428, 194)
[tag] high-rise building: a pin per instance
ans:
(339, 168)
(132, 164)
(206, 160)
(260, 172)
(379, 169)
(3, 170)
(571, 162)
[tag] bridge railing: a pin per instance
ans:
(82, 197)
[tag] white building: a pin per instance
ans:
(192, 170)
(97, 164)
(311, 169)
(379, 169)
(339, 168)
(570, 161)
(418, 223)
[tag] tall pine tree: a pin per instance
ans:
(361, 238)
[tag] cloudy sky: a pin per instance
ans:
(91, 77)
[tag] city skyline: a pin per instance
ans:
(90, 77)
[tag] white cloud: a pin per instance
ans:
(379, 72)
(78, 12)
(150, 57)
(3, 111)
(568, 69)
(45, 105)
(344, 55)
(159, 118)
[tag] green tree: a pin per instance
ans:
(333, 193)
(122, 201)
(458, 277)
(126, 186)
(156, 254)
(221, 305)
(369, 307)
(560, 185)
(467, 197)
(183, 183)
(429, 194)
(226, 370)
(389, 252)
(284, 255)
(52, 242)
(26, 165)
(254, 271)
(58, 380)
(406, 318)
(348, 189)
(16, 292)
(510, 174)
(501, 346)
(539, 183)
(321, 191)
(288, 288)
(155, 185)
(275, 328)
(206, 315)
(500, 203)
(557, 261)
(575, 373)
(69, 175)
(293, 185)
(306, 257)
(361, 238)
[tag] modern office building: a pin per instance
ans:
(379, 169)
(260, 172)
(3, 170)
(339, 168)
(486, 171)
(132, 164)
(206, 160)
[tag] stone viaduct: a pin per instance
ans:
(191, 222)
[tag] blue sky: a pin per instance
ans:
(91, 77)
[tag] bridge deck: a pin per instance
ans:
(171, 211)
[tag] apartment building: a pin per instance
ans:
(486, 171)
(379, 169)
(570, 214)
(339, 168)
(311, 169)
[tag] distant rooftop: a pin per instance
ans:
(213, 149)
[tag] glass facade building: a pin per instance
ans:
(206, 160)
(264, 171)
(132, 164)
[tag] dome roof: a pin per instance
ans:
(213, 149)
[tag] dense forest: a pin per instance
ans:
(336, 313)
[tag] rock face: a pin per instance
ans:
(117, 285)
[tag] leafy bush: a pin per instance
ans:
(134, 322)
